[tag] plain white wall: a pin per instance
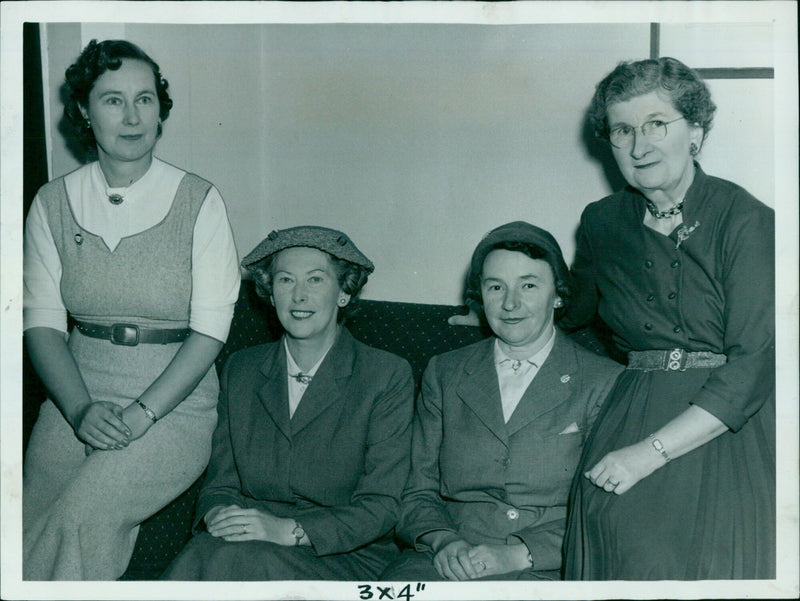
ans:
(417, 139)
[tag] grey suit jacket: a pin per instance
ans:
(338, 465)
(491, 481)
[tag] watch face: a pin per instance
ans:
(298, 532)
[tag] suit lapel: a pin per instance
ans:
(551, 386)
(480, 390)
(326, 386)
(274, 393)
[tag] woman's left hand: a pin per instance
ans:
(619, 470)
(234, 524)
(491, 560)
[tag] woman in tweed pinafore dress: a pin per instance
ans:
(140, 255)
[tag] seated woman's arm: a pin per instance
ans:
(222, 486)
(215, 288)
(424, 522)
(423, 509)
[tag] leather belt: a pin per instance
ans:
(674, 360)
(128, 334)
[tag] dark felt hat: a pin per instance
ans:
(333, 242)
(521, 231)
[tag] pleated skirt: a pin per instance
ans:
(709, 514)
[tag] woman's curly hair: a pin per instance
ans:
(351, 278)
(96, 59)
(685, 88)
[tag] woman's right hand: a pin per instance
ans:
(99, 424)
(211, 514)
(470, 319)
(452, 561)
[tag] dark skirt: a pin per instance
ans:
(709, 514)
(210, 558)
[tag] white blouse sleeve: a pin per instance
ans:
(42, 305)
(215, 270)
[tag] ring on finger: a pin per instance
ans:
(244, 528)
(481, 565)
(613, 484)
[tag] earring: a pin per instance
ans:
(558, 304)
(342, 301)
(693, 149)
(88, 124)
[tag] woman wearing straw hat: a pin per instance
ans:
(312, 447)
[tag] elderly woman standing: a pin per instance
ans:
(678, 477)
(500, 425)
(312, 447)
(140, 255)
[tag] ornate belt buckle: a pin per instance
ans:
(676, 358)
(125, 334)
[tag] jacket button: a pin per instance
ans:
(676, 329)
(648, 263)
(651, 298)
(648, 326)
(675, 263)
(671, 295)
(512, 514)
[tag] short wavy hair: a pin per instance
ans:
(684, 87)
(96, 59)
(351, 278)
(561, 277)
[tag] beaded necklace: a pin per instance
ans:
(671, 212)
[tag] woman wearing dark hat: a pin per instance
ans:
(312, 446)
(140, 255)
(500, 424)
(678, 478)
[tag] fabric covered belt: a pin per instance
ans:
(674, 360)
(128, 334)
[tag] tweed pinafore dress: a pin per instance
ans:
(81, 514)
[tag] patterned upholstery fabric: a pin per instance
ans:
(414, 331)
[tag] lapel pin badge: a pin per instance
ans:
(78, 239)
(565, 378)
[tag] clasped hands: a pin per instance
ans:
(231, 523)
(456, 559)
(106, 426)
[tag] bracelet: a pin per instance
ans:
(147, 411)
(659, 447)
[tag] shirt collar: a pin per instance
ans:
(536, 359)
(291, 364)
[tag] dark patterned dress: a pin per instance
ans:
(708, 286)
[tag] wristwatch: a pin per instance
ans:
(298, 533)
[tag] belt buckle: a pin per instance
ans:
(676, 360)
(125, 334)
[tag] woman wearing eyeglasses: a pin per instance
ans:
(677, 480)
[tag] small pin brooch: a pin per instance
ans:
(565, 378)
(78, 239)
(302, 378)
(684, 232)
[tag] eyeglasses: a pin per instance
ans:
(623, 136)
